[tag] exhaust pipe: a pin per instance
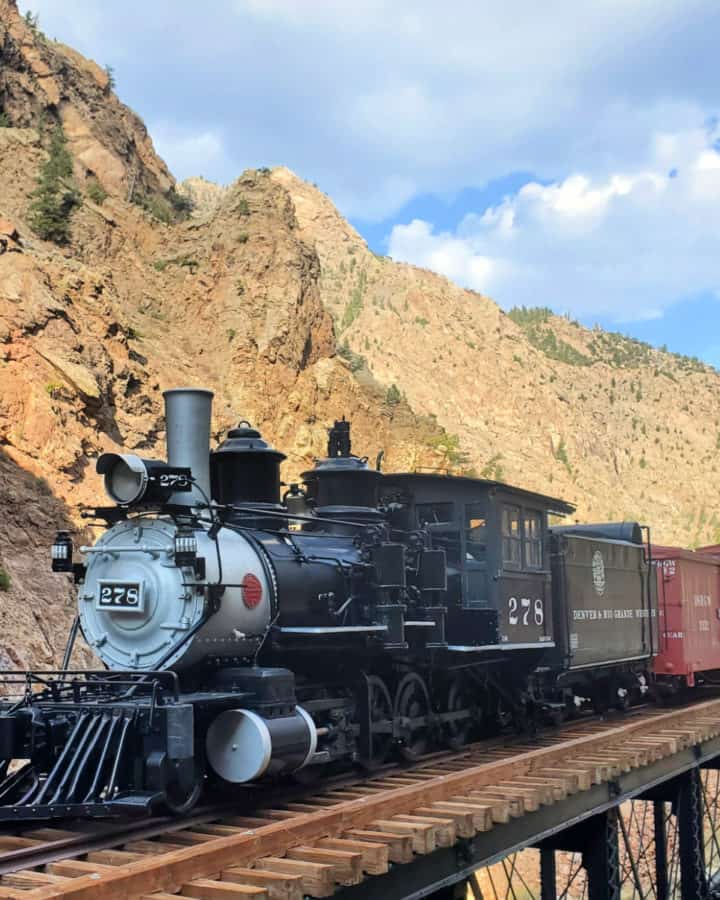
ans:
(187, 426)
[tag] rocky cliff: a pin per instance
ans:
(269, 297)
(617, 427)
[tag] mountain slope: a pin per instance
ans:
(266, 295)
(615, 426)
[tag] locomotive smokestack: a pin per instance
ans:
(187, 424)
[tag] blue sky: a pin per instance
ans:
(566, 155)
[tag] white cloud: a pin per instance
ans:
(445, 253)
(625, 245)
(190, 154)
(364, 96)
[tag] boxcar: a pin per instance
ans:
(689, 613)
(604, 603)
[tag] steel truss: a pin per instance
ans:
(664, 845)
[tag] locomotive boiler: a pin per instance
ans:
(245, 633)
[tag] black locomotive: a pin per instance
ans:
(246, 634)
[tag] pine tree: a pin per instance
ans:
(54, 197)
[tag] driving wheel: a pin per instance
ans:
(457, 729)
(413, 716)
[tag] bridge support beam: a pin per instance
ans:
(596, 839)
(548, 874)
(693, 883)
(662, 884)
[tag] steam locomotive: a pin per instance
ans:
(248, 635)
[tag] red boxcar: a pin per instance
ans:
(689, 614)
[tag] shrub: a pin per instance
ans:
(524, 316)
(231, 332)
(4, 121)
(353, 309)
(421, 322)
(356, 360)
(110, 72)
(243, 237)
(5, 580)
(561, 455)
(158, 208)
(242, 207)
(448, 447)
(393, 395)
(165, 208)
(53, 387)
(54, 198)
(239, 288)
(95, 191)
(185, 261)
(181, 204)
(493, 468)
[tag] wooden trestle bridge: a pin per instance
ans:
(620, 808)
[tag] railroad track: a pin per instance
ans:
(345, 831)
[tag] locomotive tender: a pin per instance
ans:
(248, 635)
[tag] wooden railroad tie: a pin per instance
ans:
(345, 834)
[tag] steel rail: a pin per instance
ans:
(600, 748)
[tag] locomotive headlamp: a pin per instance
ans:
(62, 552)
(130, 479)
(185, 547)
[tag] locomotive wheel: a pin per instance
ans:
(412, 716)
(457, 731)
(381, 717)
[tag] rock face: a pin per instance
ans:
(42, 82)
(618, 428)
(270, 298)
(204, 195)
(36, 607)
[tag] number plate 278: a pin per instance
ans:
(120, 596)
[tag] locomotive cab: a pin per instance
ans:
(495, 538)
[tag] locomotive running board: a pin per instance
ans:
(461, 648)
(336, 629)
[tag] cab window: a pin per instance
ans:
(476, 532)
(511, 536)
(533, 540)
